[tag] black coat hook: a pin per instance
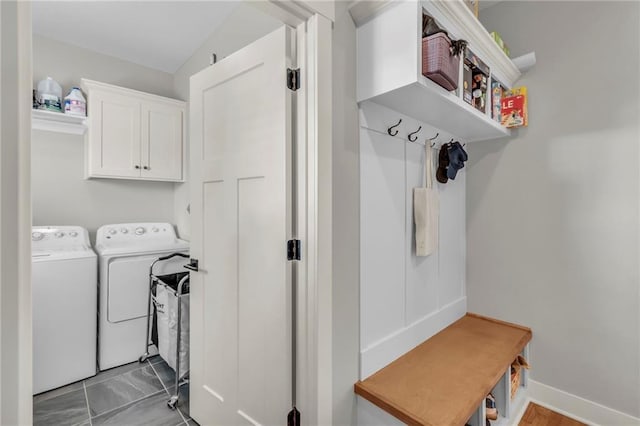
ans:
(389, 130)
(413, 138)
(435, 137)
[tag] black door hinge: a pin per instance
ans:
(293, 250)
(293, 79)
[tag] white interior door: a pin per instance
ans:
(240, 123)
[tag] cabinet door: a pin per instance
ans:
(162, 141)
(114, 135)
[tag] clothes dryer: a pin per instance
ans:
(125, 253)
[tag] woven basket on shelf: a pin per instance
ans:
(515, 379)
(438, 63)
(516, 372)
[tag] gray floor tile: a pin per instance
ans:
(57, 392)
(151, 411)
(66, 409)
(122, 389)
(192, 422)
(166, 373)
(113, 372)
(155, 359)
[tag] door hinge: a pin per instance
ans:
(293, 250)
(293, 79)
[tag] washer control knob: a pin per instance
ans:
(140, 230)
(112, 231)
(37, 236)
(59, 234)
(73, 234)
(155, 229)
(124, 230)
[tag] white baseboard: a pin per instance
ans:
(397, 344)
(575, 407)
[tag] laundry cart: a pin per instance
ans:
(168, 322)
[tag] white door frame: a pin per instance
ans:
(15, 213)
(314, 195)
(313, 20)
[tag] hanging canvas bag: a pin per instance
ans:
(426, 208)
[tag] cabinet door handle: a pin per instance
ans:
(137, 167)
(147, 168)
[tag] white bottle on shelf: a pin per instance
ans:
(75, 103)
(50, 95)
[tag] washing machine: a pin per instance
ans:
(125, 253)
(64, 306)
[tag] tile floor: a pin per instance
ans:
(131, 395)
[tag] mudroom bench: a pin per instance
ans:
(444, 380)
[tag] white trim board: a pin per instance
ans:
(395, 345)
(576, 407)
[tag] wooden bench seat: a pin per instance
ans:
(445, 379)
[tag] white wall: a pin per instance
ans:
(243, 26)
(60, 194)
(552, 213)
(404, 299)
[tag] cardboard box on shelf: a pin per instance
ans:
(496, 100)
(514, 108)
(467, 82)
(479, 80)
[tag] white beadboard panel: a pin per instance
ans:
(403, 340)
(382, 229)
(421, 291)
(452, 244)
(404, 299)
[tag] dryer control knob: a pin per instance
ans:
(37, 236)
(73, 234)
(124, 230)
(140, 230)
(112, 231)
(59, 234)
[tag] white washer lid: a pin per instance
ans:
(60, 242)
(135, 238)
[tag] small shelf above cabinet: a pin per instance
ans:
(389, 56)
(58, 122)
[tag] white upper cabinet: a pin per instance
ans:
(389, 56)
(133, 135)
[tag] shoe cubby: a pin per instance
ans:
(508, 409)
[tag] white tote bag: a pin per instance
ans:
(426, 209)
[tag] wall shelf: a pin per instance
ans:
(390, 65)
(58, 122)
(425, 101)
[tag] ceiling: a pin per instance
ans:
(157, 34)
